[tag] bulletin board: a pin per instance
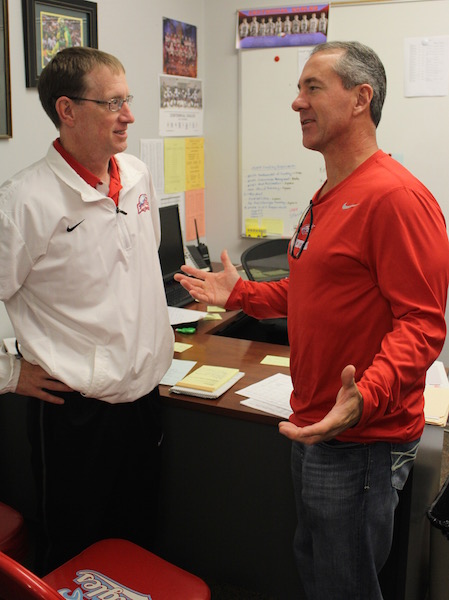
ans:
(278, 177)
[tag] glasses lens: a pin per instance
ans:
(116, 103)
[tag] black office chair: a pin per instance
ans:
(267, 261)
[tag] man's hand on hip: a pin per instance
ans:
(35, 382)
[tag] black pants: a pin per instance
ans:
(97, 468)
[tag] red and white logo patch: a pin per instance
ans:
(93, 585)
(143, 204)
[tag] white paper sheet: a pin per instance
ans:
(426, 66)
(177, 371)
(184, 315)
(271, 395)
(152, 154)
(436, 375)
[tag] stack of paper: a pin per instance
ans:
(436, 395)
(436, 405)
(179, 316)
(271, 395)
(207, 381)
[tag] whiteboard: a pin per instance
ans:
(278, 177)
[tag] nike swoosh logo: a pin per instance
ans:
(75, 226)
(347, 206)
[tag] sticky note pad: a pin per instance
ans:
(215, 309)
(280, 361)
(213, 317)
(181, 347)
(208, 378)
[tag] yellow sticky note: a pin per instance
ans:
(208, 378)
(273, 226)
(279, 361)
(179, 347)
(215, 309)
(194, 163)
(174, 165)
(212, 317)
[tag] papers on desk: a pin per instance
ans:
(208, 382)
(277, 361)
(178, 369)
(436, 395)
(436, 375)
(179, 316)
(436, 405)
(271, 395)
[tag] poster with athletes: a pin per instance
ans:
(179, 48)
(181, 106)
(304, 25)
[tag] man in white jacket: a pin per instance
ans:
(81, 282)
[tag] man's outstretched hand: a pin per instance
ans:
(345, 413)
(211, 288)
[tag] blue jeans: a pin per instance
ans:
(346, 494)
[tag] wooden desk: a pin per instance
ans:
(209, 348)
(228, 512)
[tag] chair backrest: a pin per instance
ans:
(16, 582)
(267, 260)
(13, 533)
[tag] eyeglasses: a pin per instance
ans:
(297, 246)
(114, 105)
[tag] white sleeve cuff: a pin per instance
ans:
(9, 366)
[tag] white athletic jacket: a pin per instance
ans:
(81, 280)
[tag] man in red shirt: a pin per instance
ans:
(365, 301)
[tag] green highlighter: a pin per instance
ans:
(187, 330)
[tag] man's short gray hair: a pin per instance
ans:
(359, 64)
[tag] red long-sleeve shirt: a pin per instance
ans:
(369, 289)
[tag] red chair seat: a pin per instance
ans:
(13, 538)
(120, 565)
